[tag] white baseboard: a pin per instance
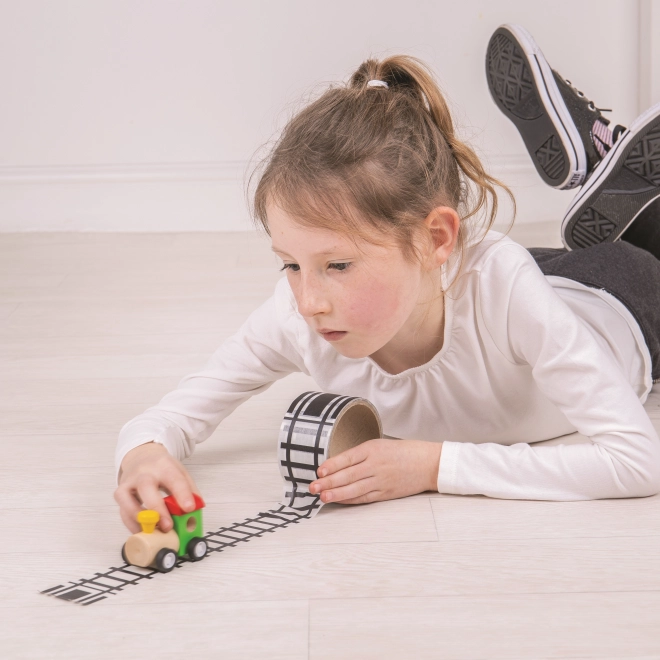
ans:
(178, 197)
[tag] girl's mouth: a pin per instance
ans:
(332, 335)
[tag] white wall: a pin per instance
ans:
(142, 115)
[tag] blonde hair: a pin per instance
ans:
(362, 158)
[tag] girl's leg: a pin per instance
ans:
(624, 270)
(570, 144)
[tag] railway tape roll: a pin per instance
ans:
(316, 426)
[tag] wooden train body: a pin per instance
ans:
(152, 548)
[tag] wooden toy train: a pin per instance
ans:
(152, 548)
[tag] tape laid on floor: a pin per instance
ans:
(316, 426)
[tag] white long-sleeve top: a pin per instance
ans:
(525, 358)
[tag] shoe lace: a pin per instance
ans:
(590, 104)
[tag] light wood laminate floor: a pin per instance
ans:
(95, 328)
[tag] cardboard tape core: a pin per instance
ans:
(355, 424)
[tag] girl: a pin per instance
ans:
(398, 291)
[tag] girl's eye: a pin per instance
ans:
(342, 266)
(294, 267)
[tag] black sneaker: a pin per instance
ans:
(554, 119)
(625, 182)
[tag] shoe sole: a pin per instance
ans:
(623, 184)
(523, 86)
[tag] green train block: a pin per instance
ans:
(187, 526)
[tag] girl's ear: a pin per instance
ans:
(442, 224)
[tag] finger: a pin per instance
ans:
(129, 520)
(191, 482)
(342, 478)
(371, 496)
(129, 507)
(148, 491)
(351, 491)
(182, 491)
(341, 461)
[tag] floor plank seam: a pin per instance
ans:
(486, 594)
(435, 522)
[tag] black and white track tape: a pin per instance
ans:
(316, 426)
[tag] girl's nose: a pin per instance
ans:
(311, 298)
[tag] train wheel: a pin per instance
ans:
(196, 549)
(165, 560)
(123, 554)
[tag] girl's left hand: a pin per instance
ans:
(380, 469)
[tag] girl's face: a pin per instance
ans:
(356, 299)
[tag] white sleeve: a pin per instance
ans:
(247, 363)
(531, 324)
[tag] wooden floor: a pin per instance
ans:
(94, 328)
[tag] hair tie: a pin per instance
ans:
(377, 83)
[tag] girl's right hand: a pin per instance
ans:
(144, 470)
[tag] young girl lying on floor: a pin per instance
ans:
(396, 290)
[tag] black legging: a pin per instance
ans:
(627, 272)
(629, 269)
